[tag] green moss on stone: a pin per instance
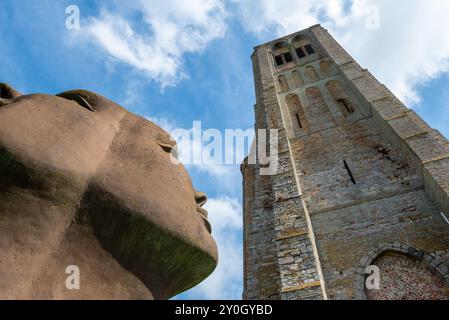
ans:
(49, 183)
(167, 264)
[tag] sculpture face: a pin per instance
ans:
(78, 165)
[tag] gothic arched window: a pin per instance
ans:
(296, 111)
(282, 54)
(318, 113)
(325, 67)
(303, 46)
(311, 74)
(297, 80)
(340, 97)
(283, 84)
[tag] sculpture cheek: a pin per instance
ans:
(4, 102)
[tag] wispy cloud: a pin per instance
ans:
(172, 28)
(165, 123)
(194, 154)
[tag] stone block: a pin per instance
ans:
(286, 260)
(389, 108)
(443, 269)
(435, 262)
(409, 125)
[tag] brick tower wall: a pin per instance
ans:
(359, 175)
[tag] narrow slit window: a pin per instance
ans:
(349, 172)
(279, 60)
(347, 106)
(288, 57)
(299, 121)
(300, 53)
(309, 49)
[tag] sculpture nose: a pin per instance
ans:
(200, 198)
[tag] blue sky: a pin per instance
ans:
(176, 62)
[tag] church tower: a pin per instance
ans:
(361, 181)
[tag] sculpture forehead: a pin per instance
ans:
(61, 133)
(107, 109)
(147, 129)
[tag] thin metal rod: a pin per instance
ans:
(349, 172)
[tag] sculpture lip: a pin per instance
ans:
(203, 213)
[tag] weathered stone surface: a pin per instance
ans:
(84, 182)
(370, 177)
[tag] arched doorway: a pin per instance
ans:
(406, 278)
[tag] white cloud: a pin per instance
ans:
(165, 123)
(225, 216)
(171, 28)
(410, 47)
(278, 16)
(193, 153)
(228, 213)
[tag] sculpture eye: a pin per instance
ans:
(166, 146)
(170, 148)
(73, 96)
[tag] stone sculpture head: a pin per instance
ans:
(84, 182)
